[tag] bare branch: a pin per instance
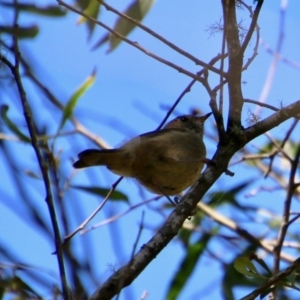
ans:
(133, 44)
(235, 64)
(273, 280)
(94, 213)
(188, 88)
(287, 61)
(273, 65)
(43, 166)
(286, 212)
(162, 39)
(274, 120)
(257, 39)
(46, 91)
(252, 25)
(223, 220)
(261, 104)
(185, 208)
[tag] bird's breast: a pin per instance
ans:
(172, 161)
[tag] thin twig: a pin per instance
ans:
(213, 105)
(118, 216)
(78, 126)
(187, 89)
(277, 176)
(271, 73)
(220, 109)
(94, 213)
(261, 104)
(286, 138)
(133, 44)
(223, 220)
(162, 39)
(278, 147)
(272, 121)
(252, 25)
(286, 211)
(135, 244)
(269, 50)
(273, 280)
(49, 197)
(255, 49)
(291, 221)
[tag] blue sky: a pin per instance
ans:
(136, 90)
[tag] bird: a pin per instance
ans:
(166, 161)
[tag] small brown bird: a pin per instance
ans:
(166, 161)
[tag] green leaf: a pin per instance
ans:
(187, 266)
(23, 32)
(115, 195)
(11, 125)
(91, 10)
(22, 286)
(18, 287)
(245, 266)
(274, 223)
(47, 10)
(233, 279)
(137, 10)
(291, 279)
(71, 104)
(83, 4)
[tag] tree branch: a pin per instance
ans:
(133, 44)
(273, 280)
(235, 64)
(187, 89)
(286, 212)
(43, 167)
(163, 40)
(272, 121)
(252, 25)
(184, 209)
(230, 224)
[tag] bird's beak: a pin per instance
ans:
(205, 116)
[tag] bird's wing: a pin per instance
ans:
(158, 133)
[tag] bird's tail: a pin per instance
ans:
(95, 157)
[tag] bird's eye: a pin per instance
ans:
(183, 119)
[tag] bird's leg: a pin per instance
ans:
(163, 193)
(174, 203)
